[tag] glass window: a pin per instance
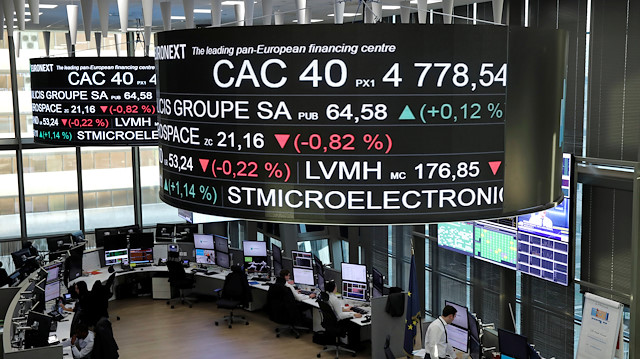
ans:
(47, 185)
(9, 207)
(318, 247)
(107, 180)
(153, 209)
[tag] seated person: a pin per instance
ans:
(343, 314)
(4, 277)
(436, 341)
(82, 342)
(285, 278)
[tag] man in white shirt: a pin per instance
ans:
(82, 342)
(344, 314)
(436, 342)
(286, 275)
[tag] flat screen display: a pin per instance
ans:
(116, 241)
(378, 284)
(461, 320)
(53, 272)
(457, 236)
(223, 260)
(254, 248)
(495, 244)
(205, 256)
(302, 259)
(544, 258)
(51, 291)
(141, 256)
(458, 338)
(276, 252)
(142, 240)
(512, 344)
(354, 272)
(186, 228)
(354, 290)
(303, 276)
(203, 241)
(114, 256)
(165, 230)
(221, 244)
(94, 101)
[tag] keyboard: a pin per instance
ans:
(198, 270)
(359, 310)
(306, 292)
(211, 272)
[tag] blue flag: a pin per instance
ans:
(413, 310)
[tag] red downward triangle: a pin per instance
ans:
(64, 121)
(104, 108)
(204, 163)
(282, 139)
(494, 166)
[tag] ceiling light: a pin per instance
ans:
(134, 29)
(201, 11)
(312, 20)
(232, 2)
(27, 13)
(428, 1)
(347, 14)
(178, 17)
(45, 6)
(390, 7)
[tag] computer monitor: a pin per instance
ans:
(354, 272)
(221, 244)
(512, 344)
(39, 337)
(20, 257)
(317, 265)
(38, 296)
(165, 230)
(254, 249)
(53, 272)
(320, 281)
(51, 291)
(276, 253)
(15, 278)
(354, 290)
(115, 256)
(205, 256)
(223, 259)
(116, 241)
(458, 338)
(203, 241)
(132, 228)
(140, 256)
(186, 228)
(462, 319)
(377, 289)
(73, 263)
(302, 259)
(303, 276)
(100, 233)
(141, 240)
(57, 243)
(474, 334)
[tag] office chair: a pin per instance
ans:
(332, 327)
(388, 354)
(109, 285)
(104, 345)
(283, 309)
(178, 279)
(235, 294)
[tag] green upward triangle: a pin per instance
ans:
(166, 188)
(406, 114)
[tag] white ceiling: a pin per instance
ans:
(55, 19)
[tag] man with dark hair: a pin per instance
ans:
(436, 341)
(82, 342)
(343, 314)
(285, 278)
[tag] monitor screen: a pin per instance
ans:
(317, 265)
(114, 256)
(254, 249)
(100, 233)
(51, 291)
(53, 272)
(203, 241)
(256, 264)
(141, 240)
(205, 256)
(221, 244)
(19, 257)
(276, 253)
(354, 290)
(277, 268)
(544, 258)
(504, 356)
(378, 284)
(461, 319)
(132, 228)
(474, 330)
(458, 338)
(165, 230)
(141, 255)
(37, 337)
(495, 244)
(354, 272)
(302, 259)
(74, 265)
(223, 259)
(186, 228)
(303, 276)
(115, 241)
(57, 243)
(512, 344)
(457, 236)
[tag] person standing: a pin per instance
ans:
(436, 341)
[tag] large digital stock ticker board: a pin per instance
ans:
(88, 101)
(360, 124)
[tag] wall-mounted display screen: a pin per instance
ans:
(457, 236)
(495, 244)
(94, 101)
(296, 125)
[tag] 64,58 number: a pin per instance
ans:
(368, 111)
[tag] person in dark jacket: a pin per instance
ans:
(105, 346)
